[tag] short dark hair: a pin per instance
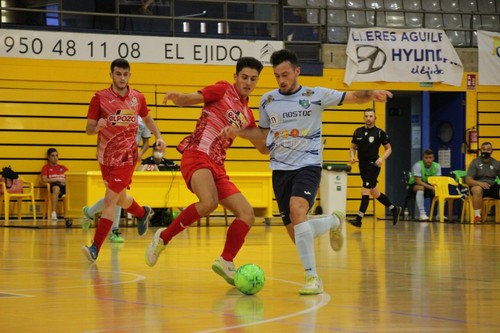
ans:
(50, 151)
(428, 152)
(284, 55)
(120, 63)
(249, 62)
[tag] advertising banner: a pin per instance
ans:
(102, 47)
(401, 55)
(488, 44)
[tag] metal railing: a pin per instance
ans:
(220, 19)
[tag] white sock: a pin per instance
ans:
(304, 242)
(96, 208)
(99, 206)
(323, 224)
(116, 221)
(419, 198)
(477, 212)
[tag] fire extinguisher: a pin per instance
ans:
(471, 140)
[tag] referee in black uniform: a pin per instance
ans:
(367, 140)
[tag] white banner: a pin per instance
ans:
(146, 49)
(488, 44)
(401, 55)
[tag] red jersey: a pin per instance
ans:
(223, 107)
(54, 171)
(117, 144)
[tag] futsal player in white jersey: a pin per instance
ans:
(291, 120)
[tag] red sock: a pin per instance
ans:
(234, 239)
(187, 217)
(136, 210)
(102, 231)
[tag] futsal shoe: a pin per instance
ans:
(423, 217)
(90, 252)
(115, 237)
(396, 212)
(86, 219)
(313, 286)
(337, 235)
(225, 269)
(143, 222)
(356, 222)
(85, 212)
(155, 248)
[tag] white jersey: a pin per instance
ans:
(143, 131)
(295, 123)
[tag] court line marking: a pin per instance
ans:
(324, 300)
(136, 278)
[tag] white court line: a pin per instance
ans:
(320, 300)
(325, 299)
(138, 277)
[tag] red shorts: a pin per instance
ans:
(194, 160)
(117, 177)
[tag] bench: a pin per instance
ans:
(165, 189)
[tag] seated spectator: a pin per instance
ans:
(162, 216)
(53, 174)
(421, 171)
(481, 176)
(157, 162)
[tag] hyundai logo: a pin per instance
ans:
(370, 59)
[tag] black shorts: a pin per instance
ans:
(492, 192)
(302, 183)
(62, 189)
(369, 173)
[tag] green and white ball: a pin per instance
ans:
(249, 279)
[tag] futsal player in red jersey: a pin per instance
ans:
(202, 163)
(113, 116)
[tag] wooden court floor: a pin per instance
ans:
(415, 277)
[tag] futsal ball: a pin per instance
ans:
(249, 279)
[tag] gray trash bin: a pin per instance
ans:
(333, 187)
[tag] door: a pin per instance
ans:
(416, 121)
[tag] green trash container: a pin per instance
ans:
(333, 187)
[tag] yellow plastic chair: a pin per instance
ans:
(28, 192)
(488, 203)
(467, 208)
(442, 195)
